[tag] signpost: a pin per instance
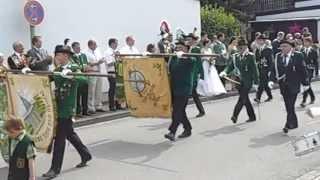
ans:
(34, 14)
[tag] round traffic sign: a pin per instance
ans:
(33, 12)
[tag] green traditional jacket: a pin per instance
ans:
(245, 68)
(66, 91)
(81, 61)
(181, 75)
(220, 49)
(197, 68)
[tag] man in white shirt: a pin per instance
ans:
(110, 59)
(129, 48)
(95, 83)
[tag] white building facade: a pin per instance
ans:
(81, 20)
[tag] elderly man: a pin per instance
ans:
(17, 60)
(129, 48)
(40, 59)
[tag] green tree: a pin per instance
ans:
(216, 19)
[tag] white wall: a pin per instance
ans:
(307, 3)
(99, 19)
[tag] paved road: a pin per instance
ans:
(134, 149)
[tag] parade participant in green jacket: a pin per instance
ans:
(197, 72)
(82, 97)
(19, 151)
(181, 80)
(243, 66)
(66, 94)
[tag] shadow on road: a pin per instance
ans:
(122, 150)
(125, 152)
(274, 139)
(154, 127)
(224, 130)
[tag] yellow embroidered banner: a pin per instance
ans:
(31, 99)
(147, 87)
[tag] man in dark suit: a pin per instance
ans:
(311, 60)
(290, 72)
(165, 45)
(40, 59)
(264, 58)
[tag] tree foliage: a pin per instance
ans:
(215, 19)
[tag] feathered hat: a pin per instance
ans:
(193, 35)
(164, 29)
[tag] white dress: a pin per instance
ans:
(211, 85)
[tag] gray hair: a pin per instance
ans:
(268, 43)
(16, 44)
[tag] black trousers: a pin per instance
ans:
(179, 114)
(309, 91)
(112, 92)
(244, 100)
(263, 86)
(196, 100)
(82, 99)
(65, 131)
(290, 101)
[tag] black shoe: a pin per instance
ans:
(285, 130)
(87, 114)
(91, 112)
(303, 104)
(185, 134)
(50, 174)
(170, 136)
(257, 100)
(79, 116)
(101, 110)
(200, 115)
(312, 101)
(267, 100)
(120, 108)
(234, 119)
(112, 109)
(250, 120)
(84, 162)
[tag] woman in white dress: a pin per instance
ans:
(211, 85)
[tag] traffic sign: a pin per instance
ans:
(33, 12)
